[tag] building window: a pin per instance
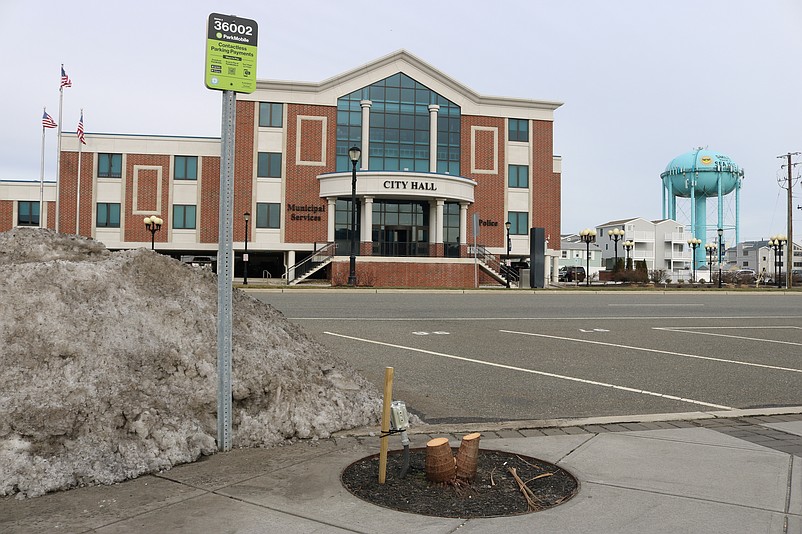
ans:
(109, 165)
(184, 217)
(269, 165)
(268, 215)
(399, 127)
(519, 222)
(271, 115)
(108, 215)
(518, 176)
(27, 213)
(186, 168)
(518, 130)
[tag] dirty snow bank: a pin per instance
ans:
(108, 367)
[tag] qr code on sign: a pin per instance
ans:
(232, 71)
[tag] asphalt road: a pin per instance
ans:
(498, 356)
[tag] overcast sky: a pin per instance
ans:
(641, 81)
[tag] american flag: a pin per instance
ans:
(65, 80)
(80, 130)
(48, 122)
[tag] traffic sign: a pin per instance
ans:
(231, 53)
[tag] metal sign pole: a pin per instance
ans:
(475, 263)
(225, 260)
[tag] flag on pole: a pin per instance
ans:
(48, 122)
(80, 130)
(65, 80)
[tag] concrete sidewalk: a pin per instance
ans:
(706, 473)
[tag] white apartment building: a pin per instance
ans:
(662, 244)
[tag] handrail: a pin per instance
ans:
(306, 264)
(494, 263)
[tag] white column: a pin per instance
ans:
(290, 263)
(439, 216)
(366, 231)
(365, 132)
(332, 208)
(463, 223)
(432, 222)
(433, 109)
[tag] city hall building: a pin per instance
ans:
(440, 167)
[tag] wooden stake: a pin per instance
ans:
(388, 399)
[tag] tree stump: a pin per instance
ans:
(440, 466)
(467, 457)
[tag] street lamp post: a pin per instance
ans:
(694, 244)
(615, 234)
(777, 243)
(353, 153)
(710, 248)
(509, 249)
(720, 233)
(628, 246)
(245, 254)
(588, 236)
(153, 224)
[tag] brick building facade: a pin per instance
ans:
(435, 157)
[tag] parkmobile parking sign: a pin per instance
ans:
(231, 53)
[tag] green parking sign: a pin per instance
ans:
(231, 53)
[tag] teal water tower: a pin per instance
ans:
(699, 175)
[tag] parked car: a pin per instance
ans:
(571, 274)
(745, 276)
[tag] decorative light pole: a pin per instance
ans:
(628, 246)
(720, 233)
(588, 236)
(710, 248)
(694, 244)
(509, 249)
(615, 234)
(245, 254)
(777, 243)
(153, 224)
(353, 153)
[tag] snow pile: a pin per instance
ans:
(108, 367)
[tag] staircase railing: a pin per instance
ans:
(310, 262)
(494, 263)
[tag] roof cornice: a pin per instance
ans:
(404, 58)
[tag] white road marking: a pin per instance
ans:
(658, 351)
(690, 330)
(534, 372)
(653, 305)
(594, 318)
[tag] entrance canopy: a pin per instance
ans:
(401, 185)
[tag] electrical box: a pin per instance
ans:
(399, 419)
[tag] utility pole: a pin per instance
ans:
(789, 252)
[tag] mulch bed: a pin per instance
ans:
(494, 493)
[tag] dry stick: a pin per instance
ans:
(388, 398)
(543, 475)
(531, 498)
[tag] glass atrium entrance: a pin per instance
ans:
(400, 228)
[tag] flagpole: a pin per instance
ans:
(58, 156)
(42, 178)
(78, 197)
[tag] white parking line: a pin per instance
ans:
(534, 372)
(693, 330)
(658, 351)
(561, 319)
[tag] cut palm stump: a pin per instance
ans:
(440, 467)
(467, 457)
